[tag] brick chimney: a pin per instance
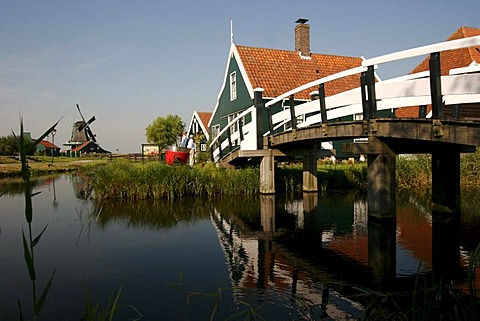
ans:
(302, 37)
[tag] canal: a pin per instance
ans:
(283, 257)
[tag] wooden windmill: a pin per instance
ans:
(83, 139)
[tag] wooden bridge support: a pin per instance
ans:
(446, 212)
(267, 175)
(382, 250)
(310, 180)
(446, 180)
(381, 191)
(267, 213)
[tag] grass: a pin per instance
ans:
(122, 179)
(429, 300)
(10, 167)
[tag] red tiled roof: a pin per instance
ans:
(47, 144)
(448, 60)
(79, 148)
(205, 118)
(278, 71)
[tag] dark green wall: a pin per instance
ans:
(227, 107)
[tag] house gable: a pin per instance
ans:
(199, 123)
(244, 91)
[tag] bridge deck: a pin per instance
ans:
(458, 132)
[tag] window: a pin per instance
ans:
(235, 126)
(215, 130)
(233, 86)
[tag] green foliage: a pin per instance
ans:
(29, 243)
(470, 169)
(413, 171)
(165, 130)
(8, 145)
(94, 311)
(245, 310)
(330, 176)
(202, 157)
(122, 179)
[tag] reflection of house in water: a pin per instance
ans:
(306, 247)
(255, 262)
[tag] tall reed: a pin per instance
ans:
(124, 180)
(30, 242)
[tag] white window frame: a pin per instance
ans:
(215, 130)
(235, 126)
(233, 86)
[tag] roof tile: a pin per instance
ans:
(278, 71)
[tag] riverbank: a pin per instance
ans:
(41, 165)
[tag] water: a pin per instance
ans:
(283, 258)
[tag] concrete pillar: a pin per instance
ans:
(381, 194)
(267, 175)
(310, 179)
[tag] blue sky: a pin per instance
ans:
(130, 61)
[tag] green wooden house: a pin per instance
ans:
(276, 72)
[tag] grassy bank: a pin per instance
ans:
(122, 179)
(42, 165)
(415, 171)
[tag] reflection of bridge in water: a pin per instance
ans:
(317, 249)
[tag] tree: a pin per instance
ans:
(8, 145)
(165, 130)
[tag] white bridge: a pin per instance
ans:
(245, 135)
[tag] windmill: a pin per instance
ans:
(83, 139)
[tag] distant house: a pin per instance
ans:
(46, 148)
(278, 71)
(452, 59)
(88, 147)
(199, 124)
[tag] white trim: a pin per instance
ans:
(233, 85)
(232, 53)
(199, 121)
(424, 50)
(473, 67)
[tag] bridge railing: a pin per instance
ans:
(461, 86)
(240, 132)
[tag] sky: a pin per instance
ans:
(127, 62)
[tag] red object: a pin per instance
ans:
(177, 156)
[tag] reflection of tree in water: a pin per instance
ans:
(16, 186)
(244, 210)
(152, 214)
